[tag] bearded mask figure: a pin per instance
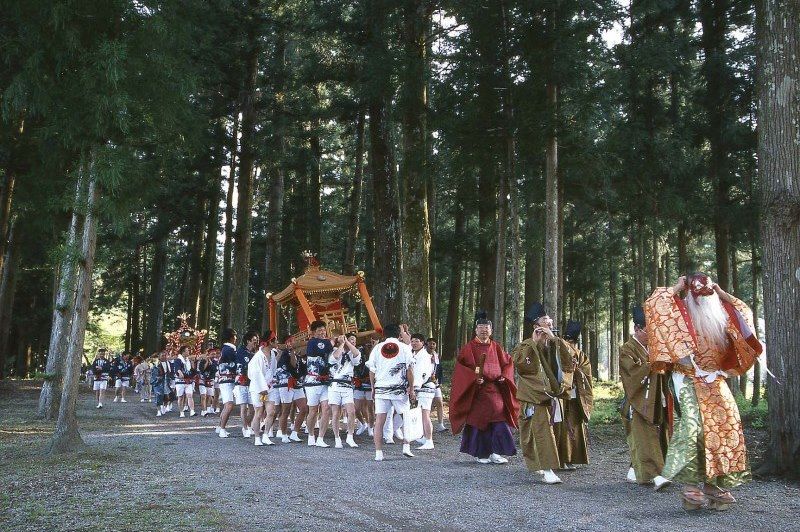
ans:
(703, 338)
(708, 315)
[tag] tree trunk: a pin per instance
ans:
(655, 257)
(734, 382)
(626, 311)
(468, 311)
(515, 312)
(8, 290)
(451, 339)
(613, 360)
(594, 355)
(713, 19)
(683, 256)
(63, 311)
(740, 383)
(314, 191)
(755, 274)
(436, 321)
(353, 226)
(209, 261)
(136, 301)
(158, 282)
(487, 239)
(552, 215)
(533, 274)
(227, 250)
(196, 248)
(240, 274)
(386, 208)
(6, 197)
(779, 170)
(66, 437)
(274, 230)
(499, 281)
(416, 223)
(561, 320)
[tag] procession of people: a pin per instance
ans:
(680, 419)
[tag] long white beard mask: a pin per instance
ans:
(709, 318)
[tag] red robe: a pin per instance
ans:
(476, 404)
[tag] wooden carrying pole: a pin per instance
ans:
(301, 298)
(273, 315)
(373, 317)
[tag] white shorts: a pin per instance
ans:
(400, 405)
(298, 393)
(438, 393)
(182, 389)
(359, 395)
(275, 396)
(206, 390)
(100, 385)
(425, 400)
(282, 395)
(241, 394)
(340, 396)
(226, 392)
(124, 382)
(316, 394)
(255, 398)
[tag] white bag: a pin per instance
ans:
(412, 424)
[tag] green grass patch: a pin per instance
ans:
(753, 416)
(607, 397)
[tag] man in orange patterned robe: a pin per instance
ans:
(704, 338)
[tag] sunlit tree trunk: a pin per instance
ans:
(416, 228)
(63, 311)
(240, 272)
(66, 437)
(353, 217)
(227, 250)
(552, 211)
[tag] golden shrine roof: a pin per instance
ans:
(317, 283)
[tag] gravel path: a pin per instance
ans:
(146, 473)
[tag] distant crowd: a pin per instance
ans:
(282, 389)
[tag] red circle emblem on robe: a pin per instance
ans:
(390, 350)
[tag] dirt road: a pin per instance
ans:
(140, 472)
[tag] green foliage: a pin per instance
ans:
(607, 399)
(148, 94)
(753, 416)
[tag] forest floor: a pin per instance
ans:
(139, 472)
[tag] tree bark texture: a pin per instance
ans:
(353, 215)
(552, 214)
(66, 437)
(778, 40)
(713, 16)
(416, 223)
(8, 290)
(227, 249)
(63, 311)
(450, 345)
(240, 272)
(158, 282)
(387, 298)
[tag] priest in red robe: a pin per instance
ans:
(483, 397)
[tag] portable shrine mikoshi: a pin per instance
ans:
(317, 295)
(185, 336)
